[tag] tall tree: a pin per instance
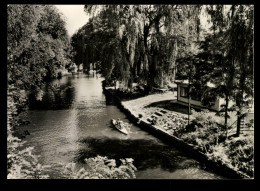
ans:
(214, 66)
(150, 36)
(236, 24)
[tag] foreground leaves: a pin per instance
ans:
(101, 168)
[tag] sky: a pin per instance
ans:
(75, 17)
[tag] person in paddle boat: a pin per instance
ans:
(119, 123)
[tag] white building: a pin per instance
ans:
(182, 97)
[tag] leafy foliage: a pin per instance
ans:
(238, 153)
(102, 168)
(205, 132)
(241, 153)
(37, 44)
(22, 163)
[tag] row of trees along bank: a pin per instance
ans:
(155, 44)
(37, 48)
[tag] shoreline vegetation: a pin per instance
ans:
(203, 139)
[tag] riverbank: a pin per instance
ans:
(156, 120)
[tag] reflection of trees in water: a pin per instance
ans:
(110, 100)
(55, 96)
(146, 153)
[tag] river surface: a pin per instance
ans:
(73, 122)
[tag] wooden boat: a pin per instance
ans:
(120, 128)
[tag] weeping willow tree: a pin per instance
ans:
(140, 43)
(119, 32)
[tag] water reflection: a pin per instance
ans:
(55, 96)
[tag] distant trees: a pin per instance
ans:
(80, 41)
(139, 43)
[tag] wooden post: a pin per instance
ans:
(189, 111)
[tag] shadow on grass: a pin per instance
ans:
(146, 153)
(172, 106)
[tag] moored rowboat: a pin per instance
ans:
(119, 127)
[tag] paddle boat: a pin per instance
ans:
(118, 124)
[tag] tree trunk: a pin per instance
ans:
(239, 100)
(147, 58)
(172, 65)
(238, 123)
(226, 113)
(189, 100)
(154, 66)
(189, 110)
(138, 67)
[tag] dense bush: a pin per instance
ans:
(37, 44)
(203, 131)
(241, 153)
(210, 136)
(136, 92)
(22, 164)
(238, 153)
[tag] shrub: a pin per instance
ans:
(21, 163)
(102, 168)
(130, 94)
(237, 153)
(241, 153)
(203, 131)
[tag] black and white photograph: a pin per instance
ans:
(130, 91)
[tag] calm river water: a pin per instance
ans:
(74, 122)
